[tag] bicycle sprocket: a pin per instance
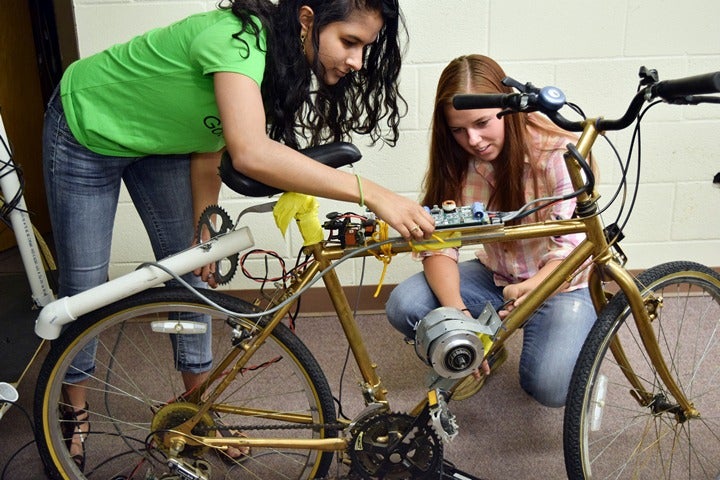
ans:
(174, 414)
(216, 221)
(391, 446)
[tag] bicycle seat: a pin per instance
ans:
(336, 154)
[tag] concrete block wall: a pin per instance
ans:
(592, 50)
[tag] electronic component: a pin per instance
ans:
(450, 215)
(349, 229)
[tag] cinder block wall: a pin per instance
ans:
(592, 50)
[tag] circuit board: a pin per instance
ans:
(449, 215)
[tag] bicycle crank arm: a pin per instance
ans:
(451, 472)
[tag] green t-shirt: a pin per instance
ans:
(154, 94)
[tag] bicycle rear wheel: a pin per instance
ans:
(132, 395)
(610, 434)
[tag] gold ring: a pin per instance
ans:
(416, 227)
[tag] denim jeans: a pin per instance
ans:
(552, 337)
(83, 188)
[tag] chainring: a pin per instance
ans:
(390, 446)
(216, 221)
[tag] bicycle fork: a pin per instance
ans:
(642, 309)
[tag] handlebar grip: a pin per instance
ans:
(471, 101)
(695, 85)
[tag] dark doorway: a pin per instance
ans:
(32, 59)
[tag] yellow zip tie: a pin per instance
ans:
(446, 239)
(434, 236)
(385, 255)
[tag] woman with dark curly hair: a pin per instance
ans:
(255, 77)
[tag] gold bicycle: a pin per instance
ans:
(644, 400)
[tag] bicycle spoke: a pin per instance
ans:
(136, 401)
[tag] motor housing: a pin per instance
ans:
(448, 340)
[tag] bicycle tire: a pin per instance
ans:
(607, 433)
(135, 378)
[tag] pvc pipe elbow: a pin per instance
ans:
(52, 318)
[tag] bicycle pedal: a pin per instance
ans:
(450, 471)
(8, 396)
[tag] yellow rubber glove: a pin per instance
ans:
(304, 209)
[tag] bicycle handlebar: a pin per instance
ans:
(549, 100)
(681, 87)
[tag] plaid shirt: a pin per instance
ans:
(514, 262)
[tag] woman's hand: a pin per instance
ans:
(515, 293)
(406, 216)
(207, 272)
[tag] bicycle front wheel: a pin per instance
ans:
(610, 431)
(135, 395)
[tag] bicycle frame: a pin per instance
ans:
(595, 246)
(64, 310)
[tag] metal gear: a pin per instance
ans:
(216, 221)
(390, 446)
(174, 414)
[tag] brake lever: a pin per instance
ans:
(523, 105)
(509, 111)
(528, 87)
(520, 87)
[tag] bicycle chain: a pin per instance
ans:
(290, 426)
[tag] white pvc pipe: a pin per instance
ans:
(22, 227)
(62, 311)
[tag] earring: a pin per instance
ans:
(302, 43)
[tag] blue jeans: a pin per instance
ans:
(83, 188)
(552, 337)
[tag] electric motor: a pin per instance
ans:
(448, 341)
